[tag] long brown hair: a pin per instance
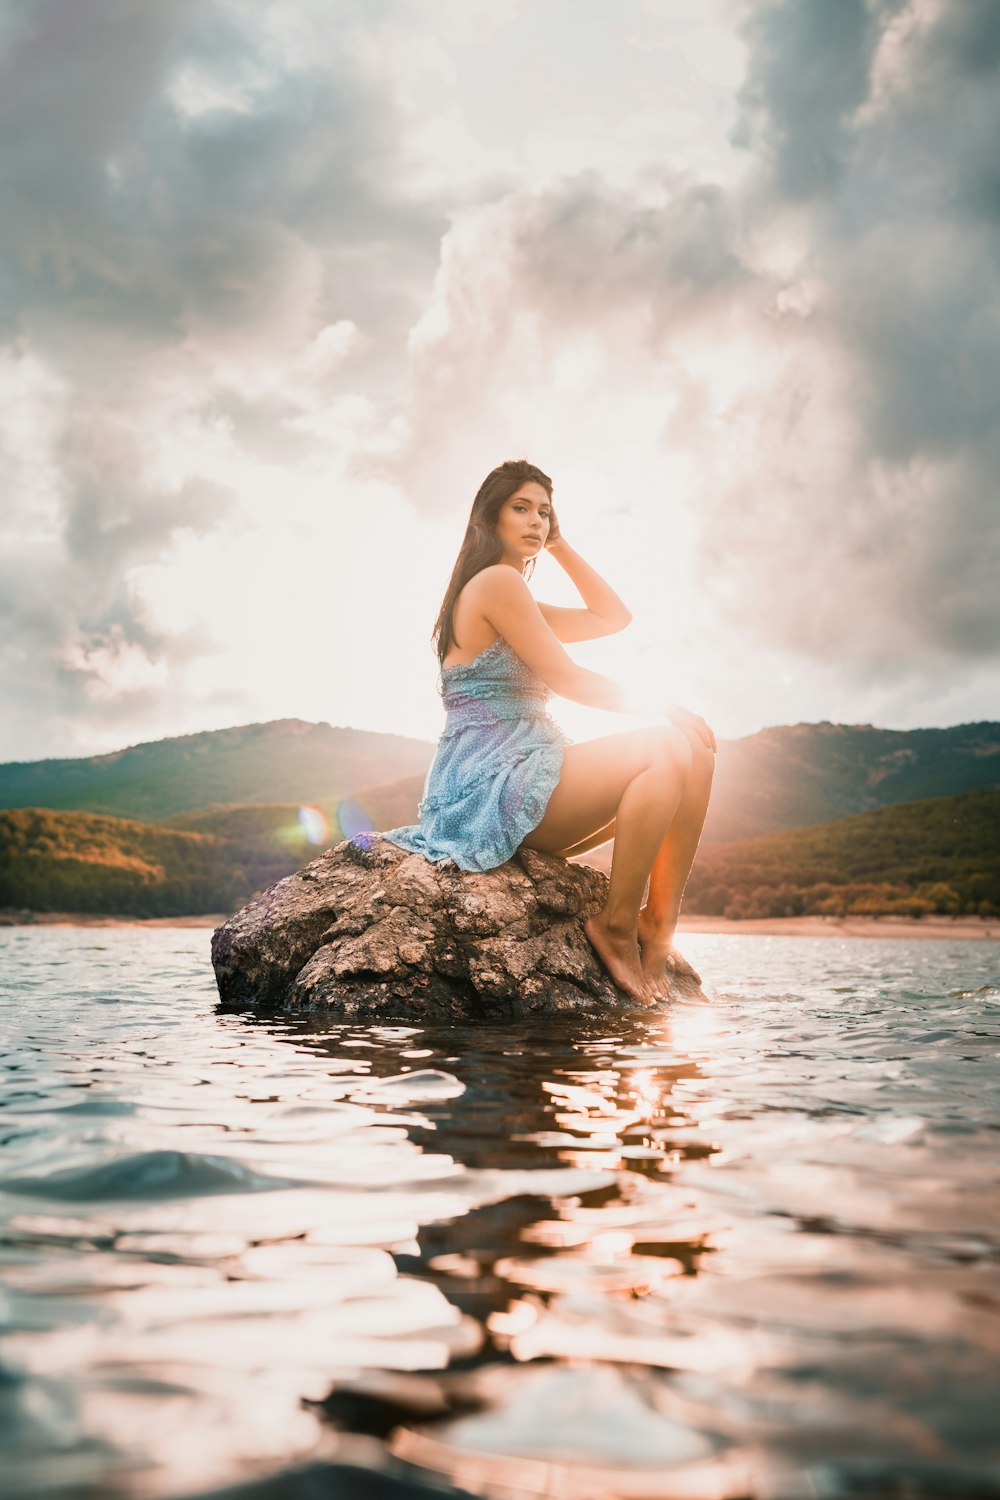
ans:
(481, 545)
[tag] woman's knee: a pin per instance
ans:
(702, 755)
(669, 748)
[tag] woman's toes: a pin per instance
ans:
(619, 953)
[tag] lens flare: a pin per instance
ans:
(353, 818)
(312, 821)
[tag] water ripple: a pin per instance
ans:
(743, 1246)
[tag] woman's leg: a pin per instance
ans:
(672, 866)
(637, 780)
(670, 871)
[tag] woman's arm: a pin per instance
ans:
(605, 612)
(503, 598)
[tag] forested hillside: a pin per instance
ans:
(940, 855)
(792, 776)
(200, 823)
(83, 862)
(802, 774)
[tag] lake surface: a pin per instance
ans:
(739, 1247)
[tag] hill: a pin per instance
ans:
(285, 761)
(86, 862)
(938, 855)
(781, 778)
(57, 861)
(803, 774)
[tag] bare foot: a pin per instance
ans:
(660, 960)
(656, 948)
(654, 967)
(619, 953)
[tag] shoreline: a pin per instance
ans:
(964, 929)
(10, 918)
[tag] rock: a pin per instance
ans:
(369, 930)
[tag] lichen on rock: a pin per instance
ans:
(371, 931)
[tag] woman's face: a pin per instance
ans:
(523, 524)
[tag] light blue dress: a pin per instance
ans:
(497, 763)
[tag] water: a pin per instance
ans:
(745, 1247)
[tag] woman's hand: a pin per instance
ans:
(555, 535)
(684, 719)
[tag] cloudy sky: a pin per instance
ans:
(281, 280)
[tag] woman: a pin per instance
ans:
(504, 776)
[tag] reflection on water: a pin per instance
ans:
(747, 1247)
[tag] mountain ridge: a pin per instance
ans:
(277, 760)
(783, 776)
(199, 734)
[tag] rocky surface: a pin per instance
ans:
(369, 930)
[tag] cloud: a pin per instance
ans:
(550, 300)
(809, 73)
(273, 277)
(83, 508)
(199, 174)
(199, 215)
(805, 361)
(884, 541)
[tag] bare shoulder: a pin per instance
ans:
(488, 604)
(502, 601)
(496, 582)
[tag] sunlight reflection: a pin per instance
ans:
(692, 1030)
(646, 1092)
